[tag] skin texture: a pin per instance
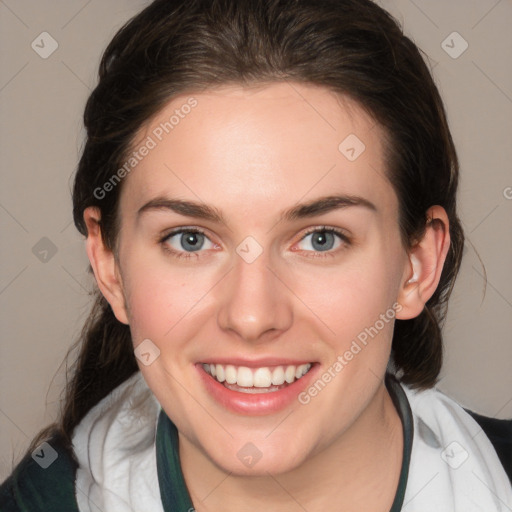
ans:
(252, 153)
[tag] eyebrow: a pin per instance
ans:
(312, 208)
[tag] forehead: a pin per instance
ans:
(262, 147)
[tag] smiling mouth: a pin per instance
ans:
(266, 379)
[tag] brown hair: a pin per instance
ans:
(352, 47)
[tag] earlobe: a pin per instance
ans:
(104, 265)
(424, 265)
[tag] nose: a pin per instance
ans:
(255, 303)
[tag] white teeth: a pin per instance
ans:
(244, 377)
(289, 374)
(220, 374)
(231, 374)
(302, 370)
(278, 376)
(263, 377)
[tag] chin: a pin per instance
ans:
(246, 458)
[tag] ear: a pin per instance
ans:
(104, 265)
(424, 265)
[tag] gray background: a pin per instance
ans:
(44, 296)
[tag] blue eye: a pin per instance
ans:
(324, 239)
(190, 240)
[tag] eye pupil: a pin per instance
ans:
(192, 239)
(321, 239)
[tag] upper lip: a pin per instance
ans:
(255, 363)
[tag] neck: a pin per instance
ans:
(359, 470)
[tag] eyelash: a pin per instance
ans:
(317, 254)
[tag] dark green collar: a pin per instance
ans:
(173, 489)
(404, 411)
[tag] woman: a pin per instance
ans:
(268, 191)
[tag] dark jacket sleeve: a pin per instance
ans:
(499, 433)
(42, 481)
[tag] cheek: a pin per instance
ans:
(350, 298)
(162, 298)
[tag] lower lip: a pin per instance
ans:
(257, 403)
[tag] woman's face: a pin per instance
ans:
(263, 287)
